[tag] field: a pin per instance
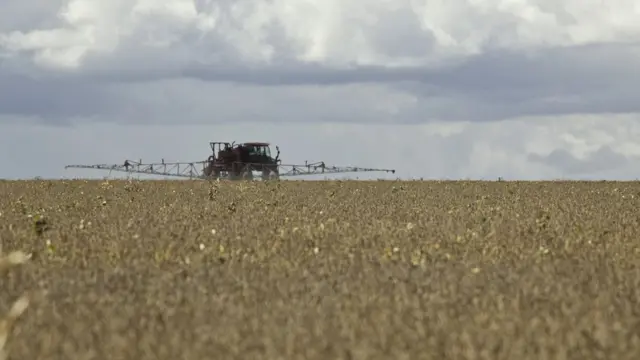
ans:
(323, 270)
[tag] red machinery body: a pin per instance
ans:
(241, 160)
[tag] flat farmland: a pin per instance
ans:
(323, 270)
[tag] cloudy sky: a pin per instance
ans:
(523, 89)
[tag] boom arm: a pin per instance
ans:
(175, 169)
(320, 168)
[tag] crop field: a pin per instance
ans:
(321, 270)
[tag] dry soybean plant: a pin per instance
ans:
(7, 262)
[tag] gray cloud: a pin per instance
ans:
(24, 15)
(53, 100)
(603, 159)
(579, 80)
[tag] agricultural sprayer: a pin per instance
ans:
(231, 161)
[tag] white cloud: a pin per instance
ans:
(400, 72)
(340, 33)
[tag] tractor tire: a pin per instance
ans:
(268, 174)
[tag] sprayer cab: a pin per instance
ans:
(259, 152)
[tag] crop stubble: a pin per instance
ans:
(323, 270)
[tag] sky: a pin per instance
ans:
(457, 89)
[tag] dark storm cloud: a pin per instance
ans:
(564, 69)
(497, 85)
(55, 99)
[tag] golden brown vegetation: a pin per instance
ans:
(323, 270)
